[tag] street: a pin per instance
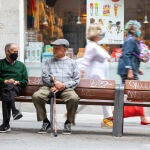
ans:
(86, 135)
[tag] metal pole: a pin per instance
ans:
(118, 111)
(55, 120)
(51, 96)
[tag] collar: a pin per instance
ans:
(11, 63)
(63, 58)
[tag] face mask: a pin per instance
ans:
(138, 33)
(13, 56)
(102, 35)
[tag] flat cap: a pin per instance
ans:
(58, 42)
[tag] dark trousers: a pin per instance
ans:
(8, 94)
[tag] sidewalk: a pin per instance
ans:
(86, 135)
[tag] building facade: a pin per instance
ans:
(12, 25)
(14, 21)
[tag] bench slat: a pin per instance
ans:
(137, 85)
(91, 93)
(90, 102)
(138, 90)
(84, 93)
(144, 104)
(91, 83)
(141, 96)
(60, 101)
(35, 81)
(30, 89)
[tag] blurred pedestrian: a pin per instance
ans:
(95, 65)
(129, 65)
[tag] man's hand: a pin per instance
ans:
(54, 89)
(140, 72)
(130, 75)
(11, 81)
(16, 83)
(59, 85)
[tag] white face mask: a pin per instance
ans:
(102, 35)
(101, 38)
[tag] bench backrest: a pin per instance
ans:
(96, 89)
(138, 90)
(87, 88)
(34, 83)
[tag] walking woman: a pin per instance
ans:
(95, 65)
(129, 65)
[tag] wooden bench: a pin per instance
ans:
(91, 92)
(138, 94)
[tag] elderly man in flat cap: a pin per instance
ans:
(66, 74)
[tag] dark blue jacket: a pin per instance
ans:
(129, 57)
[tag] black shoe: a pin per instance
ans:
(17, 115)
(45, 127)
(4, 128)
(67, 128)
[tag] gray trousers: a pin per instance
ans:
(69, 96)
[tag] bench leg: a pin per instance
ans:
(51, 96)
(118, 111)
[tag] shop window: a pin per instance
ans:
(48, 20)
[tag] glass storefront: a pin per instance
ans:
(48, 20)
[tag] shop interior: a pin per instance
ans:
(48, 20)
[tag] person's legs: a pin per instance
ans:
(71, 99)
(143, 118)
(80, 108)
(15, 112)
(6, 110)
(107, 121)
(39, 99)
(9, 92)
(107, 111)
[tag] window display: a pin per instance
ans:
(43, 26)
(33, 52)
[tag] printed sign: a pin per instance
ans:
(33, 52)
(110, 15)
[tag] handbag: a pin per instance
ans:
(145, 52)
